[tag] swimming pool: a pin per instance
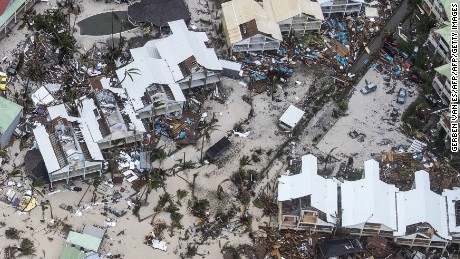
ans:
(101, 24)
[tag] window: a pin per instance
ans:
(457, 213)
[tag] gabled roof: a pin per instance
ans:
(93, 148)
(158, 62)
(9, 7)
(8, 112)
(323, 191)
(292, 116)
(72, 253)
(3, 5)
(444, 70)
(421, 205)
(44, 144)
(286, 9)
(452, 196)
(445, 33)
(240, 12)
(83, 240)
(369, 199)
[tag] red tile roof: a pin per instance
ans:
(3, 5)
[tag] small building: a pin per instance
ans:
(422, 216)
(307, 201)
(369, 204)
(231, 69)
(217, 149)
(291, 118)
(70, 252)
(83, 242)
(157, 12)
(10, 113)
(94, 231)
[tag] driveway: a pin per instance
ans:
(376, 43)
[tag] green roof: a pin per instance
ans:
(445, 34)
(83, 240)
(8, 111)
(72, 253)
(10, 11)
(446, 4)
(444, 70)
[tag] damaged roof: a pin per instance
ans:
(159, 12)
(421, 205)
(323, 191)
(286, 9)
(369, 200)
(239, 12)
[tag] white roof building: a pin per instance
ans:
(44, 143)
(323, 191)
(369, 200)
(167, 61)
(421, 205)
(291, 117)
(453, 198)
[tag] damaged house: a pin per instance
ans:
(253, 26)
(65, 152)
(369, 204)
(165, 68)
(422, 216)
(370, 207)
(110, 120)
(306, 200)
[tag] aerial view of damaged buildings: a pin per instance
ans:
(229, 129)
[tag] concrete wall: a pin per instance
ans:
(9, 132)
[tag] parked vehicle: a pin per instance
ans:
(13, 68)
(369, 88)
(390, 40)
(404, 55)
(3, 81)
(402, 95)
(432, 100)
(415, 78)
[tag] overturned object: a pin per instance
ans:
(217, 149)
(291, 117)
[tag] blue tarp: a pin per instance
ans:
(181, 135)
(188, 121)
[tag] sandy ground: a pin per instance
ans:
(368, 114)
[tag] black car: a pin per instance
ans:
(13, 68)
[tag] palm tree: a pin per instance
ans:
(4, 154)
(206, 132)
(129, 73)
